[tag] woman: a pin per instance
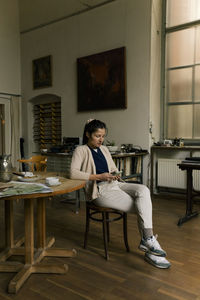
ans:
(92, 162)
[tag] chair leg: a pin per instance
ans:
(77, 201)
(105, 238)
(125, 232)
(87, 225)
(108, 226)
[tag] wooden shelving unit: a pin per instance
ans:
(131, 165)
(47, 124)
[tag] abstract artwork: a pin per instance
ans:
(101, 81)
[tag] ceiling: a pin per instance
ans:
(37, 13)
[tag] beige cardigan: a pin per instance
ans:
(82, 166)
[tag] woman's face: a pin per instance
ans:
(95, 140)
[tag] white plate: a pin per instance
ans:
(27, 174)
(30, 179)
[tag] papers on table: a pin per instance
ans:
(24, 188)
(4, 185)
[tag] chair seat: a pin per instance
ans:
(101, 208)
(92, 210)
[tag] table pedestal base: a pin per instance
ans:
(14, 250)
(25, 270)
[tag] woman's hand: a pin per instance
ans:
(103, 177)
(107, 177)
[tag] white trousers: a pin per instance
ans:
(127, 197)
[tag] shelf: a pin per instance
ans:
(47, 124)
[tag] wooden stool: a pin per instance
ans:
(105, 219)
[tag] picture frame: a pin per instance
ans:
(102, 81)
(42, 72)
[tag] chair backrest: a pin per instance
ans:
(35, 163)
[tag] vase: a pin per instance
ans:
(5, 168)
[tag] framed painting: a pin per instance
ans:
(42, 72)
(101, 81)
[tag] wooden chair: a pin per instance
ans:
(35, 163)
(105, 218)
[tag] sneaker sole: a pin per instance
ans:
(145, 249)
(156, 265)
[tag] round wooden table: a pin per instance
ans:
(25, 246)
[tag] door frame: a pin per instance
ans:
(7, 134)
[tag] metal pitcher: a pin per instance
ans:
(5, 168)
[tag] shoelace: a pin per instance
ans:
(153, 241)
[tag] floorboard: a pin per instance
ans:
(125, 275)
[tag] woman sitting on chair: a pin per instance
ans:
(93, 162)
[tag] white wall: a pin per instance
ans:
(37, 12)
(10, 76)
(155, 75)
(10, 48)
(120, 23)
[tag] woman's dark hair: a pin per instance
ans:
(92, 127)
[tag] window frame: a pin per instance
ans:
(164, 102)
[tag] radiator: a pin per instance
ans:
(169, 175)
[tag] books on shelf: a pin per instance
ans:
(129, 166)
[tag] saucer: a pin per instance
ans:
(53, 184)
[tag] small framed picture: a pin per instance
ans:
(42, 72)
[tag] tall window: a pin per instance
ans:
(182, 69)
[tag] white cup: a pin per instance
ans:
(52, 180)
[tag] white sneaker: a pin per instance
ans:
(152, 246)
(157, 261)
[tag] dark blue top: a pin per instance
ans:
(99, 161)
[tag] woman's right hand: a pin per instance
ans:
(106, 177)
(103, 177)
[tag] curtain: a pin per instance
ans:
(15, 111)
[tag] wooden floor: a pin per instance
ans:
(125, 275)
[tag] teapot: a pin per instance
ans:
(5, 168)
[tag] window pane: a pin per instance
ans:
(179, 121)
(182, 70)
(180, 48)
(182, 11)
(197, 121)
(180, 85)
(197, 58)
(197, 84)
